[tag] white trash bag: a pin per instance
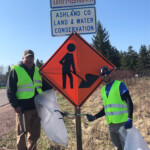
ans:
(53, 126)
(133, 139)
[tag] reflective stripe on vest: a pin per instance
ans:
(38, 81)
(115, 108)
(115, 105)
(25, 86)
(25, 90)
(116, 113)
(31, 84)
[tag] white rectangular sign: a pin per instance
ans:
(70, 3)
(81, 20)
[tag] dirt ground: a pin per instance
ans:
(7, 119)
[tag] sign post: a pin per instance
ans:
(66, 70)
(78, 129)
(74, 71)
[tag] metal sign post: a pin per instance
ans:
(78, 129)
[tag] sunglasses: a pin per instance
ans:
(105, 73)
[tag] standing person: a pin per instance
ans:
(118, 107)
(23, 84)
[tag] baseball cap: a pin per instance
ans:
(28, 52)
(104, 69)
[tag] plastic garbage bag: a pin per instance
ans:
(53, 126)
(133, 139)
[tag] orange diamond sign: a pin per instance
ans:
(74, 69)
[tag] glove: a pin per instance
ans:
(63, 113)
(128, 124)
(90, 117)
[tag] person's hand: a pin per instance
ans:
(90, 117)
(63, 113)
(128, 124)
(18, 110)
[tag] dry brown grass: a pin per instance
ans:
(95, 135)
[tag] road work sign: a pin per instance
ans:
(81, 20)
(74, 69)
(70, 3)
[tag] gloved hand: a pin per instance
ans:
(90, 117)
(128, 124)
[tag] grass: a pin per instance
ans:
(8, 141)
(95, 135)
(2, 87)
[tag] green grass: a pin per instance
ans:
(8, 141)
(3, 87)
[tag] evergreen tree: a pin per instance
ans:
(131, 58)
(143, 64)
(123, 60)
(39, 63)
(8, 71)
(113, 56)
(101, 42)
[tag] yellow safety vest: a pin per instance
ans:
(115, 109)
(25, 85)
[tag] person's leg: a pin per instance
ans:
(20, 133)
(116, 140)
(122, 139)
(34, 130)
(116, 136)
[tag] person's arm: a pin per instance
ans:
(101, 113)
(45, 85)
(126, 96)
(11, 91)
(90, 117)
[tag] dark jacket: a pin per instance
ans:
(26, 104)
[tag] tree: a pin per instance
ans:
(143, 63)
(113, 56)
(131, 58)
(123, 60)
(39, 63)
(101, 42)
(1, 73)
(8, 71)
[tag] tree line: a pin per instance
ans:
(139, 62)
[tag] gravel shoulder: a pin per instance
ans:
(7, 119)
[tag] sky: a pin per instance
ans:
(25, 24)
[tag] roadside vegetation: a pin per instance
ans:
(95, 135)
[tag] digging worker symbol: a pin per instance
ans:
(67, 62)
